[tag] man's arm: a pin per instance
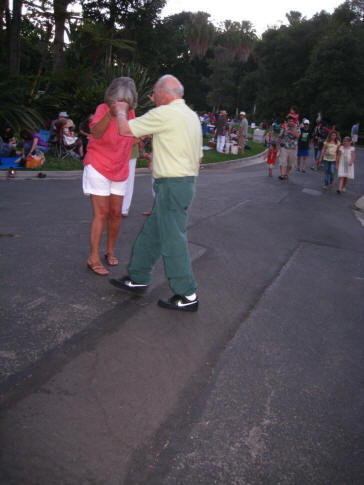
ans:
(121, 109)
(296, 132)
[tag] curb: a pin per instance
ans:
(244, 162)
(77, 174)
(52, 174)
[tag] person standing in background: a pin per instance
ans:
(355, 132)
(221, 131)
(243, 132)
(303, 150)
(288, 140)
(328, 155)
(345, 164)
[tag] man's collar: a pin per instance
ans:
(177, 101)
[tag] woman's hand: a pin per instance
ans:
(119, 108)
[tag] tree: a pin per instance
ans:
(4, 7)
(199, 33)
(92, 45)
(336, 72)
(14, 37)
(60, 16)
(234, 41)
(294, 17)
(130, 20)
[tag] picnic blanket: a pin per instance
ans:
(7, 162)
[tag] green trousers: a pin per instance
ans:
(164, 234)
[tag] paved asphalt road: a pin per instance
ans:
(263, 385)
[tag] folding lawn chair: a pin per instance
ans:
(62, 150)
(44, 134)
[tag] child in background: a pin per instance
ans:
(345, 164)
(271, 157)
(269, 137)
(293, 113)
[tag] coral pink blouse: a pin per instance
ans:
(110, 154)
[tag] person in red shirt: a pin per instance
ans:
(293, 114)
(106, 169)
(271, 157)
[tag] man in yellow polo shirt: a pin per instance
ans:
(177, 153)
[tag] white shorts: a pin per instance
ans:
(93, 183)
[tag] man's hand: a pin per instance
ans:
(151, 97)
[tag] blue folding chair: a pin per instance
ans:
(45, 134)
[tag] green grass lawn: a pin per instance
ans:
(68, 163)
(210, 156)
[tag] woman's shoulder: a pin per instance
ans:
(103, 107)
(99, 113)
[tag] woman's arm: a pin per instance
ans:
(34, 145)
(322, 153)
(99, 128)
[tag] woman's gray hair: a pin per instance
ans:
(122, 89)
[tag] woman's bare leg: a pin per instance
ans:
(101, 211)
(114, 222)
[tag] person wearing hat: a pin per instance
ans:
(55, 124)
(303, 146)
(243, 131)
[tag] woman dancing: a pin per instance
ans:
(106, 169)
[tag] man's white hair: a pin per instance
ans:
(175, 87)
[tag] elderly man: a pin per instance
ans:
(243, 132)
(177, 153)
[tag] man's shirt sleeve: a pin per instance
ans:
(150, 123)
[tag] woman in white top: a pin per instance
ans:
(345, 164)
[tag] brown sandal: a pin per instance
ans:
(111, 260)
(97, 268)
